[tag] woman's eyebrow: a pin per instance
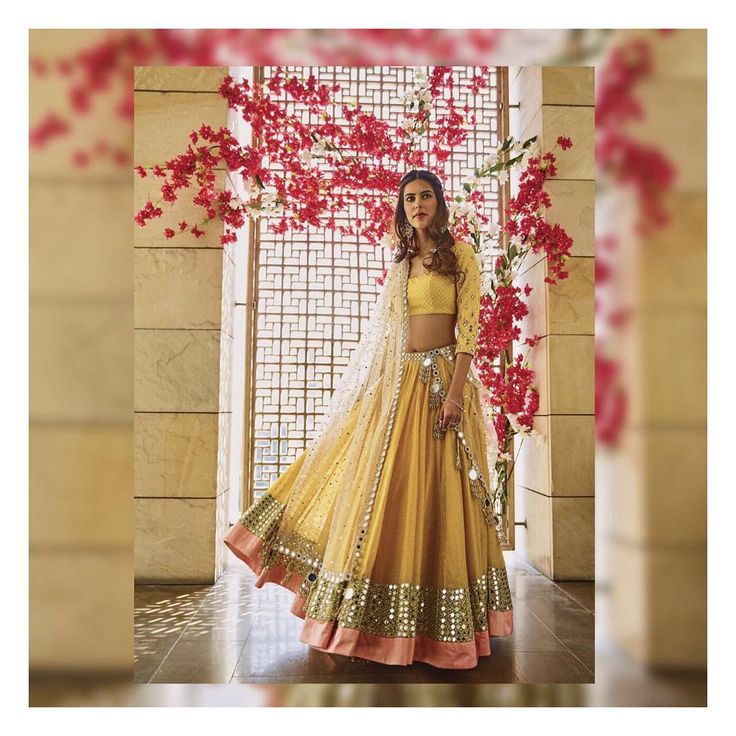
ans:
(422, 192)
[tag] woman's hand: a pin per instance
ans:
(450, 415)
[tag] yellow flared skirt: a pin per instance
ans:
(431, 584)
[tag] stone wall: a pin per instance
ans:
(555, 479)
(183, 342)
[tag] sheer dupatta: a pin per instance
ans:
(365, 401)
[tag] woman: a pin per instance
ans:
(384, 527)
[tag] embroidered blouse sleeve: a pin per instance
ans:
(468, 300)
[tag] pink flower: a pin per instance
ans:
(564, 142)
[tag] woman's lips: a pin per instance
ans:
(422, 215)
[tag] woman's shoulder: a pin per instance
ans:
(463, 250)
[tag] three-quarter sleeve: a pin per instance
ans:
(468, 300)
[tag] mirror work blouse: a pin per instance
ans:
(433, 293)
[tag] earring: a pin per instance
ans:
(407, 229)
(443, 229)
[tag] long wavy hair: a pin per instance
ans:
(443, 260)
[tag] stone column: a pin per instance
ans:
(183, 343)
(657, 537)
(81, 378)
(554, 479)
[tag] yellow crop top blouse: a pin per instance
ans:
(433, 293)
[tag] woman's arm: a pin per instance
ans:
(468, 307)
(468, 300)
(459, 374)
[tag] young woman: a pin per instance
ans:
(384, 527)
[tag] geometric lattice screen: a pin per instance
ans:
(314, 290)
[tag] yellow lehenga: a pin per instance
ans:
(428, 580)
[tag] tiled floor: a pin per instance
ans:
(232, 632)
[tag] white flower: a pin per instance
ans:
(502, 176)
(505, 456)
(270, 204)
(461, 208)
(533, 151)
(320, 147)
(515, 240)
(514, 422)
(306, 154)
(386, 240)
(490, 160)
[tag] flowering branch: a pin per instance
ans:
(515, 398)
(329, 169)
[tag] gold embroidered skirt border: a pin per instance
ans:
(388, 610)
(407, 610)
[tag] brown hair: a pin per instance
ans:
(444, 260)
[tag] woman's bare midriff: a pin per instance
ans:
(429, 331)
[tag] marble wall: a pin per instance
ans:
(184, 305)
(554, 479)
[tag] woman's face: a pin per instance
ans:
(420, 204)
